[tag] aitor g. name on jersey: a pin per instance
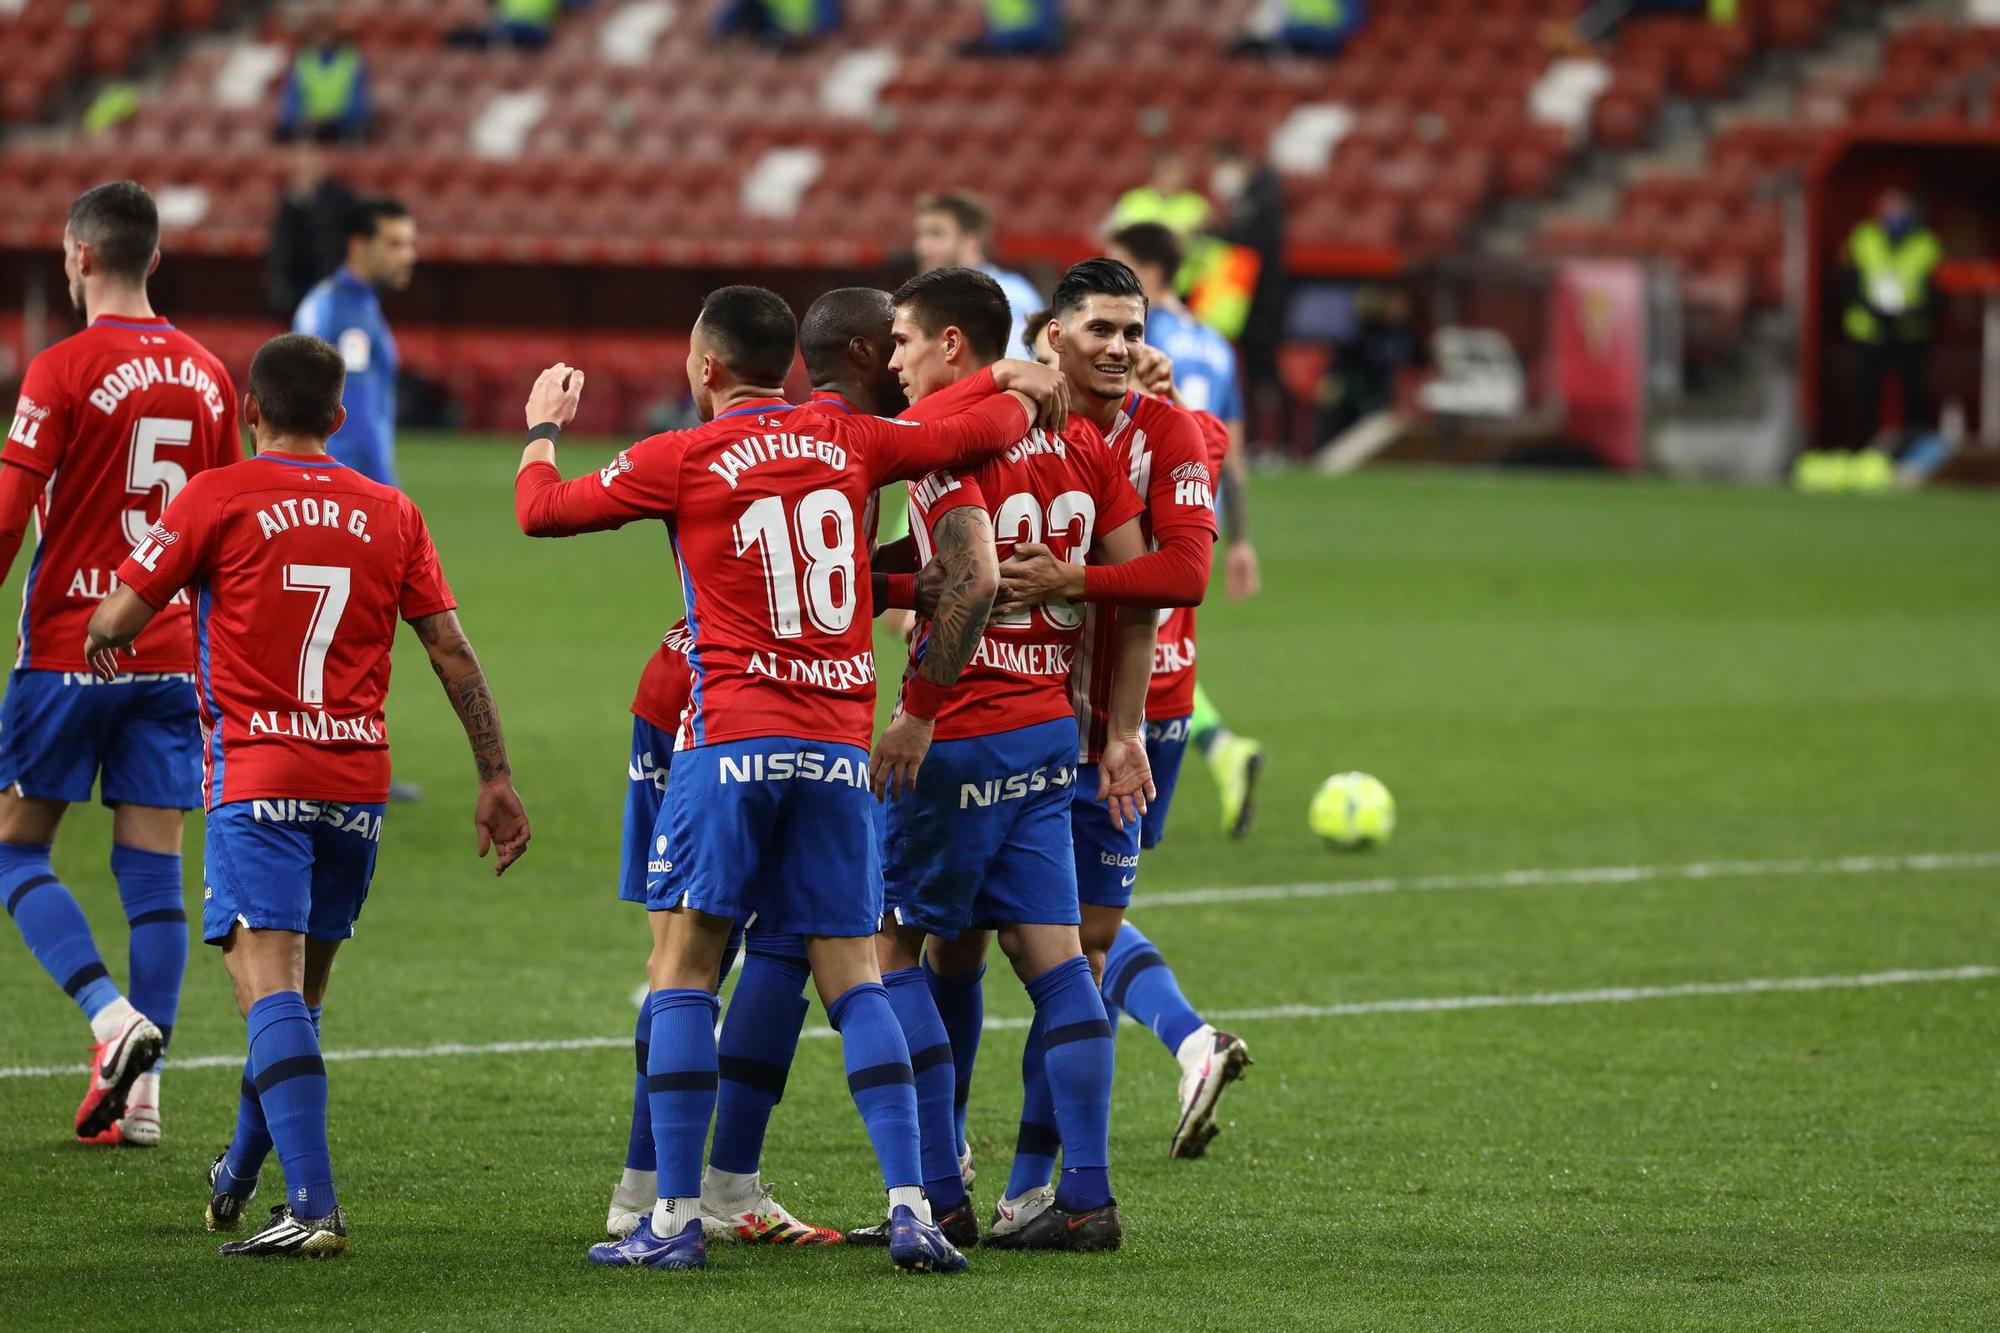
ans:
(301, 569)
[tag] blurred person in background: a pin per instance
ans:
(325, 95)
(1891, 259)
(309, 233)
(1250, 213)
(1204, 380)
(788, 25)
(1301, 27)
(1019, 28)
(1361, 378)
(1168, 197)
(954, 230)
(529, 25)
(346, 310)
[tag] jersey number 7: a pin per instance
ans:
(330, 585)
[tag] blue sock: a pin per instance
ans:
(1138, 980)
(251, 1143)
(149, 884)
(1038, 1141)
(930, 1059)
(639, 1155)
(879, 1077)
(1076, 1040)
(680, 1085)
(53, 925)
(291, 1086)
(760, 1035)
(961, 1003)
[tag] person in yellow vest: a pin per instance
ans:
(325, 96)
(1302, 27)
(1019, 28)
(1168, 197)
(786, 24)
(1891, 259)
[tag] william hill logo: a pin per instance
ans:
(1192, 487)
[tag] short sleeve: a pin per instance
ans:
(39, 433)
(178, 550)
(425, 593)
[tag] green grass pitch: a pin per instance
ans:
(1550, 674)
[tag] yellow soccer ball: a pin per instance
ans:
(1351, 811)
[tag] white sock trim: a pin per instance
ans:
(671, 1216)
(1195, 1044)
(723, 1188)
(104, 1024)
(912, 1198)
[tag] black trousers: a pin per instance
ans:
(1908, 361)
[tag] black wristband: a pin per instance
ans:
(547, 430)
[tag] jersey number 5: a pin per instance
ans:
(329, 585)
(146, 471)
(824, 523)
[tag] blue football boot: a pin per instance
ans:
(919, 1247)
(642, 1249)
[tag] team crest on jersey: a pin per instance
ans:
(610, 471)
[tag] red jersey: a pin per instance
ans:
(1059, 490)
(1172, 692)
(115, 420)
(666, 681)
(300, 569)
(763, 505)
(1161, 449)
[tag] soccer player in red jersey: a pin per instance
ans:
(300, 568)
(767, 811)
(1134, 973)
(984, 753)
(111, 424)
(845, 342)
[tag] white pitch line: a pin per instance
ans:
(1434, 1004)
(1583, 875)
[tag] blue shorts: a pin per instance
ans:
(1107, 859)
(60, 730)
(1166, 746)
(776, 828)
(984, 840)
(302, 866)
(645, 793)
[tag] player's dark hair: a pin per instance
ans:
(836, 319)
(1152, 244)
(296, 380)
(121, 224)
(1093, 277)
(963, 208)
(1032, 326)
(753, 331)
(366, 214)
(961, 297)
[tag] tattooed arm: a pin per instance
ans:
(498, 816)
(971, 575)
